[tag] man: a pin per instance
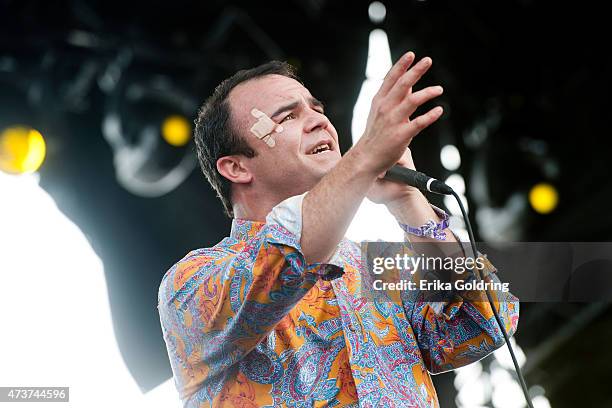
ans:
(269, 316)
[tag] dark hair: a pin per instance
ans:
(214, 134)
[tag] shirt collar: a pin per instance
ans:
(242, 230)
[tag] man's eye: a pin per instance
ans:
(289, 116)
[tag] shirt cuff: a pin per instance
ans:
(287, 217)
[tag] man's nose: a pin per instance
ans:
(316, 121)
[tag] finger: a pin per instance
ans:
(396, 72)
(412, 102)
(415, 126)
(407, 80)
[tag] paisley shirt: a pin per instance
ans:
(247, 323)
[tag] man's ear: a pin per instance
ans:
(233, 169)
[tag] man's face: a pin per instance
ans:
(304, 151)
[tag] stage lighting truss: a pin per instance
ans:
(141, 105)
(145, 164)
(506, 163)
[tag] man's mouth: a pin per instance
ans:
(323, 147)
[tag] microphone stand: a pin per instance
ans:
(517, 368)
(424, 182)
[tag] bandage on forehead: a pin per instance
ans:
(264, 127)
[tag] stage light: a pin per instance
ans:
(146, 127)
(543, 198)
(506, 390)
(22, 150)
(493, 384)
(379, 55)
(176, 130)
(456, 182)
(503, 357)
(379, 62)
(451, 204)
(450, 157)
(473, 386)
(377, 12)
(541, 401)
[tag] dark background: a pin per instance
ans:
(527, 88)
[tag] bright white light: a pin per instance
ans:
(456, 182)
(502, 355)
(362, 107)
(476, 392)
(473, 385)
(379, 63)
(377, 12)
(164, 395)
(372, 221)
(57, 322)
(467, 373)
(540, 401)
(461, 234)
(451, 204)
(457, 225)
(450, 157)
(507, 392)
(379, 55)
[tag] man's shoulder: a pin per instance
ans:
(195, 266)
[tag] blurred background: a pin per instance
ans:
(100, 191)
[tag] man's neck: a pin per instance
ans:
(254, 204)
(254, 207)
(252, 214)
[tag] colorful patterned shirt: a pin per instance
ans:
(248, 323)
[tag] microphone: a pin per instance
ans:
(417, 179)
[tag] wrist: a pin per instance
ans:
(406, 203)
(360, 163)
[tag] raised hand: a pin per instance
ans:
(389, 129)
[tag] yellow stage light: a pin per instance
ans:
(22, 150)
(543, 198)
(176, 130)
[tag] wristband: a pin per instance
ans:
(430, 229)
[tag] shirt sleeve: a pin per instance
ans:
(462, 330)
(218, 304)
